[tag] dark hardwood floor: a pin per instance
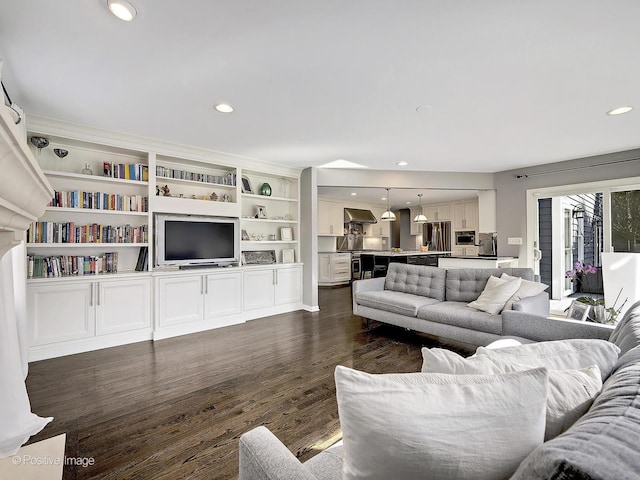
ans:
(175, 408)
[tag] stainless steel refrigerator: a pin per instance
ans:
(437, 235)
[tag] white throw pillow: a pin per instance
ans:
(495, 294)
(561, 354)
(527, 289)
(570, 395)
(436, 426)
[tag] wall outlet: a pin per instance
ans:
(514, 241)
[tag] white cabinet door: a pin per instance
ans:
(123, 305)
(330, 218)
(60, 312)
(416, 228)
(437, 213)
(324, 267)
(465, 216)
(223, 295)
(457, 251)
(471, 216)
(471, 251)
(340, 267)
(258, 289)
(180, 299)
(288, 287)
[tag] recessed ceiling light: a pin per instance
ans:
(402, 164)
(122, 9)
(408, 203)
(353, 194)
(383, 198)
(224, 108)
(620, 110)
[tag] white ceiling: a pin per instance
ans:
(502, 84)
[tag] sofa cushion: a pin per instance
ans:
(570, 391)
(527, 289)
(495, 294)
(466, 284)
(327, 465)
(560, 354)
(436, 426)
(395, 302)
(627, 333)
(603, 444)
(459, 315)
(416, 279)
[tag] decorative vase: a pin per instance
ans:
(265, 189)
(87, 169)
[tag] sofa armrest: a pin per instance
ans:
(264, 457)
(538, 304)
(366, 285)
(541, 328)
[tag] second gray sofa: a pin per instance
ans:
(434, 301)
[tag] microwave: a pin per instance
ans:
(466, 238)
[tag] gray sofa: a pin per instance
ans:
(434, 300)
(602, 444)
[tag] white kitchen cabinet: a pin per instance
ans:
(416, 228)
(487, 202)
(324, 268)
(437, 213)
(334, 268)
(269, 287)
(184, 299)
(464, 251)
(465, 216)
(65, 317)
(330, 218)
(380, 229)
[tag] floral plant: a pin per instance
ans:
(579, 272)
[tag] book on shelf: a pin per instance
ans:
(166, 172)
(100, 201)
(141, 264)
(39, 266)
(69, 232)
(127, 171)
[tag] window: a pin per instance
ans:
(625, 221)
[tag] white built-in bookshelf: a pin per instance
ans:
(92, 282)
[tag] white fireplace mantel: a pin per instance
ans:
(24, 190)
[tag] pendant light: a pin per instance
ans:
(420, 218)
(388, 215)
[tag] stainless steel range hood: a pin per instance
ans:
(358, 215)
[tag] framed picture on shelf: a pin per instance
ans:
(286, 234)
(578, 311)
(246, 185)
(245, 235)
(261, 211)
(288, 255)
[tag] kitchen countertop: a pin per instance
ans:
(405, 253)
(480, 257)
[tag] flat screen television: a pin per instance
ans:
(185, 240)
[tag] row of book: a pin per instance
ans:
(228, 179)
(100, 201)
(69, 232)
(127, 171)
(67, 265)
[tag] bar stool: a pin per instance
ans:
(366, 265)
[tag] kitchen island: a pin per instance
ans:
(382, 258)
(478, 262)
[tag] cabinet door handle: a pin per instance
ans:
(98, 292)
(201, 285)
(206, 285)
(275, 277)
(91, 296)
